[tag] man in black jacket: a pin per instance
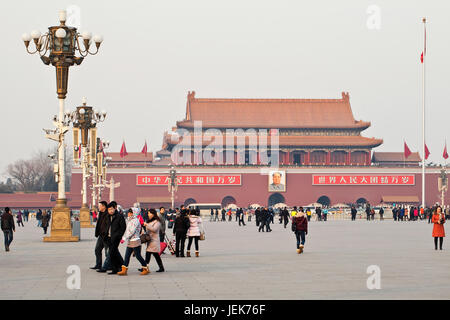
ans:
(353, 212)
(115, 227)
(180, 229)
(8, 227)
(100, 232)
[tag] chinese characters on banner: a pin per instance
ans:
(402, 180)
(190, 180)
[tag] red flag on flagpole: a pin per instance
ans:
(407, 152)
(144, 149)
(421, 58)
(427, 152)
(79, 152)
(445, 155)
(123, 150)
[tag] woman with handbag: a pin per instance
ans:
(300, 227)
(438, 220)
(153, 244)
(194, 232)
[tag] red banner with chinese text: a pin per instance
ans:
(190, 180)
(402, 180)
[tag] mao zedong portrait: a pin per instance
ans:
(277, 182)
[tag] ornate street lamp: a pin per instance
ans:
(85, 120)
(62, 44)
(173, 184)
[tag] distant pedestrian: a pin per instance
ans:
(8, 227)
(319, 214)
(300, 227)
(19, 218)
(241, 217)
(353, 212)
(194, 231)
(325, 214)
(381, 213)
(285, 216)
(438, 220)
(162, 221)
(39, 218)
(368, 213)
(216, 215)
(212, 215)
(308, 214)
(223, 214)
(44, 221)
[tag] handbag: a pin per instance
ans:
(293, 226)
(145, 237)
(202, 236)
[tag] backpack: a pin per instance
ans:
(294, 225)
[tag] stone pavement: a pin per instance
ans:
(240, 263)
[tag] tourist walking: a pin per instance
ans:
(216, 215)
(308, 214)
(180, 229)
(44, 221)
(194, 231)
(132, 236)
(153, 227)
(116, 227)
(394, 213)
(381, 213)
(19, 218)
(368, 213)
(325, 213)
(267, 219)
(438, 221)
(319, 214)
(100, 230)
(8, 227)
(162, 221)
(285, 215)
(223, 214)
(241, 217)
(212, 215)
(249, 214)
(353, 212)
(39, 218)
(300, 227)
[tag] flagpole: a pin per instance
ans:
(423, 114)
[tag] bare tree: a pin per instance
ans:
(35, 174)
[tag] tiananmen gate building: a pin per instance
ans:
(268, 151)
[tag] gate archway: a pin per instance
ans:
(275, 198)
(324, 201)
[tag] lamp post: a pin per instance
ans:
(99, 172)
(173, 184)
(85, 122)
(443, 185)
(61, 43)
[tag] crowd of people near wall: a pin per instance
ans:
(138, 227)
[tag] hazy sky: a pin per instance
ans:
(155, 51)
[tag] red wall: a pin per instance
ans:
(254, 189)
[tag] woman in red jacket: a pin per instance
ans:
(300, 227)
(438, 220)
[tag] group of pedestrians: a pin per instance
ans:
(143, 227)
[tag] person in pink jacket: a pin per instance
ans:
(194, 230)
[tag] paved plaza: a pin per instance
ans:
(240, 263)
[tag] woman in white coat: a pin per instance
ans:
(194, 231)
